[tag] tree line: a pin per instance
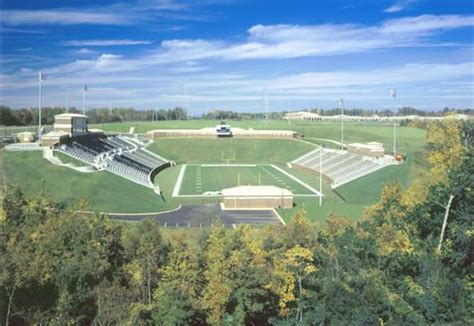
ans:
(29, 116)
(409, 260)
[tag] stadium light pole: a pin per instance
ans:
(321, 177)
(84, 91)
(341, 103)
(41, 78)
(393, 93)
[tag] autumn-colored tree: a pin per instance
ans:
(147, 253)
(445, 139)
(288, 278)
(217, 292)
(182, 273)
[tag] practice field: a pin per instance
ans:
(209, 179)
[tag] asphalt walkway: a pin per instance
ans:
(206, 216)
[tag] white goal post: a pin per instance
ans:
(228, 159)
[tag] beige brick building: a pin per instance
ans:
(257, 197)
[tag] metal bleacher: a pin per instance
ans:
(117, 155)
(340, 166)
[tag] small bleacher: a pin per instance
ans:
(341, 166)
(124, 157)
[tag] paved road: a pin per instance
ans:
(205, 216)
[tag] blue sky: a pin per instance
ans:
(231, 54)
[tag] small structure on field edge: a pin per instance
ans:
(373, 149)
(257, 197)
(26, 137)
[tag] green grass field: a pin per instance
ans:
(107, 192)
(243, 150)
(204, 179)
(409, 139)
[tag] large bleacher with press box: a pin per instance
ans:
(120, 155)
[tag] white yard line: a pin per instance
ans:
(297, 180)
(197, 196)
(177, 186)
(226, 165)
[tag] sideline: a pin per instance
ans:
(177, 185)
(297, 180)
(133, 214)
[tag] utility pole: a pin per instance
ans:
(341, 103)
(445, 221)
(84, 91)
(67, 103)
(41, 78)
(393, 93)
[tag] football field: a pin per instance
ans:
(202, 180)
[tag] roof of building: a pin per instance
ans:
(256, 191)
(375, 143)
(25, 133)
(71, 115)
(303, 113)
(55, 133)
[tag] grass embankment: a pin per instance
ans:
(103, 190)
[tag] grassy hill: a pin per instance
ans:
(104, 191)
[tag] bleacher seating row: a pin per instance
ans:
(117, 155)
(340, 166)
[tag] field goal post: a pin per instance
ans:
(228, 159)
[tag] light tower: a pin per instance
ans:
(41, 78)
(84, 91)
(265, 103)
(341, 103)
(393, 93)
(320, 176)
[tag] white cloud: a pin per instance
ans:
(208, 68)
(398, 6)
(394, 8)
(291, 41)
(105, 42)
(60, 17)
(85, 51)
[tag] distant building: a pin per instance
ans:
(302, 115)
(257, 197)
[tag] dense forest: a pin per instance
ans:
(409, 260)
